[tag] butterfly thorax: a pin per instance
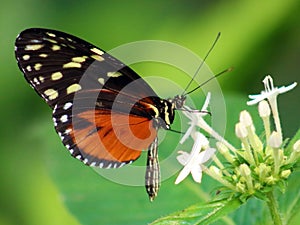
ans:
(162, 111)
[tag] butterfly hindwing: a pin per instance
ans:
(100, 136)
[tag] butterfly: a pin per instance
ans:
(103, 111)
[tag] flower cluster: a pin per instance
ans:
(260, 162)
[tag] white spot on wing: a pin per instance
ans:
(37, 66)
(36, 81)
(26, 57)
(101, 80)
(51, 40)
(43, 55)
(61, 136)
(72, 65)
(73, 88)
(68, 131)
(56, 76)
(42, 79)
(79, 59)
(114, 74)
(97, 51)
(54, 121)
(97, 57)
(67, 105)
(28, 68)
(51, 34)
(33, 47)
(35, 41)
(64, 118)
(55, 107)
(55, 47)
(51, 93)
(70, 40)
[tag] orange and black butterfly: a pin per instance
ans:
(103, 111)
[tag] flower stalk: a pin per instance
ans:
(273, 208)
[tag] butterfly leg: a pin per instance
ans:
(152, 178)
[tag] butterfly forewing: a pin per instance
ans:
(75, 77)
(54, 64)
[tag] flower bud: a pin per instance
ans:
(246, 174)
(285, 174)
(245, 170)
(240, 130)
(296, 146)
(275, 140)
(245, 118)
(262, 171)
(257, 186)
(270, 180)
(216, 171)
(264, 109)
(225, 152)
(294, 157)
(241, 187)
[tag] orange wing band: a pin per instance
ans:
(112, 136)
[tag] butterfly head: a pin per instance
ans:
(178, 101)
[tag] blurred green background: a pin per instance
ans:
(41, 184)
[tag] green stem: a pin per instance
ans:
(273, 207)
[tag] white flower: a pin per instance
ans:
(270, 91)
(194, 117)
(192, 161)
(196, 120)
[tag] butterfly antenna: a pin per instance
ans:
(201, 64)
(215, 76)
(176, 131)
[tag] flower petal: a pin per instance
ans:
(288, 88)
(183, 158)
(205, 155)
(182, 175)
(187, 134)
(256, 98)
(197, 173)
(270, 91)
(206, 103)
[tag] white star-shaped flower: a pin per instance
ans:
(270, 91)
(192, 161)
(194, 117)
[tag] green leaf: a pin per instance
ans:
(293, 210)
(204, 213)
(290, 201)
(289, 148)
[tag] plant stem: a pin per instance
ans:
(273, 207)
